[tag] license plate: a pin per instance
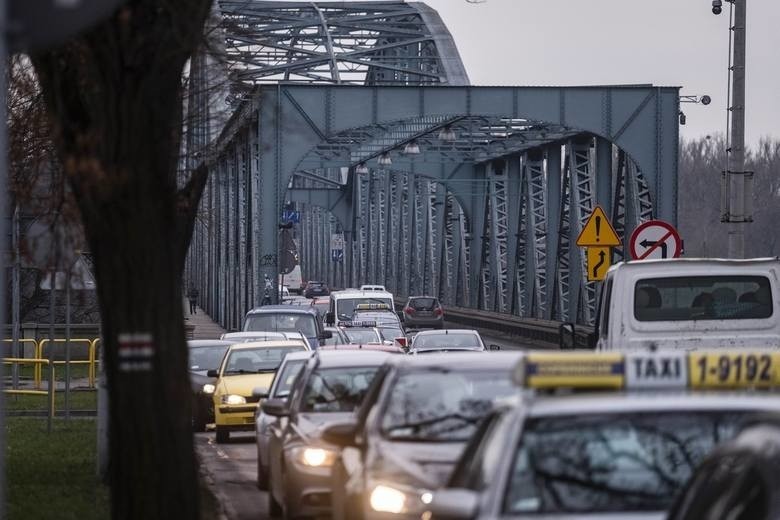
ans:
(733, 370)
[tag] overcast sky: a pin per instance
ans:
(588, 42)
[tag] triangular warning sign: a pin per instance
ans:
(598, 231)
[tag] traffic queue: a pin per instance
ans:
(397, 423)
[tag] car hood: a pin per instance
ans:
(243, 384)
(427, 464)
(310, 425)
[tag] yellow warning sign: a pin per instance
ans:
(598, 231)
(599, 260)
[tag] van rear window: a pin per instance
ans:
(703, 298)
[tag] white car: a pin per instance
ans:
(373, 288)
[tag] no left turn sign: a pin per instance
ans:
(655, 239)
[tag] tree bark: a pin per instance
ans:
(114, 99)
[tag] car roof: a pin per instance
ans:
(197, 343)
(299, 354)
(356, 293)
(351, 358)
(465, 360)
(269, 344)
(380, 347)
(444, 332)
(252, 334)
(284, 309)
(427, 297)
(542, 405)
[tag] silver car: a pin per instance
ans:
(330, 387)
(447, 340)
(280, 389)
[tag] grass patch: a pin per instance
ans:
(79, 400)
(77, 371)
(52, 476)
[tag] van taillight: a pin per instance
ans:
(438, 311)
(409, 310)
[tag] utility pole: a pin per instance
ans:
(739, 182)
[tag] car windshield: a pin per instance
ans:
(442, 406)
(456, 340)
(337, 389)
(609, 463)
(345, 307)
(304, 323)
(207, 358)
(287, 377)
(390, 333)
(703, 298)
(422, 304)
(254, 360)
(362, 336)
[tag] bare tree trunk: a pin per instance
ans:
(114, 98)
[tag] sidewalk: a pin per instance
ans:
(205, 328)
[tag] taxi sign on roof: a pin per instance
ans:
(357, 324)
(372, 307)
(642, 370)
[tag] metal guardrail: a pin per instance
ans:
(547, 331)
(39, 348)
(38, 362)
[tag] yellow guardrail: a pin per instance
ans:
(90, 361)
(38, 362)
(94, 359)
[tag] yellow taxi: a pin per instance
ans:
(244, 377)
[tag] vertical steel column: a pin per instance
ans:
(255, 215)
(404, 215)
(416, 226)
(514, 208)
(439, 267)
(582, 204)
(475, 239)
(553, 153)
(391, 234)
(497, 232)
(537, 229)
(604, 174)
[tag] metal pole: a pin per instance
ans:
(3, 210)
(15, 297)
(738, 185)
(52, 287)
(67, 345)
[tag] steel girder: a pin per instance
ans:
(372, 43)
(543, 210)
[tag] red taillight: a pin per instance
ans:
(409, 310)
(438, 311)
(401, 341)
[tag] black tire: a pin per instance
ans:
(223, 434)
(262, 476)
(274, 507)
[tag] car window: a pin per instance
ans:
(452, 340)
(611, 463)
(261, 359)
(207, 358)
(304, 323)
(362, 336)
(336, 389)
(703, 298)
(423, 304)
(287, 378)
(431, 405)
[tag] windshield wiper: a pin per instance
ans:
(417, 426)
(240, 371)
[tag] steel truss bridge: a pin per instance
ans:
(360, 115)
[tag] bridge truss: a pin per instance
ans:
(472, 194)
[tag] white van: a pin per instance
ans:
(688, 304)
(344, 303)
(292, 280)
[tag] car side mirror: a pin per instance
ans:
(329, 318)
(341, 434)
(325, 335)
(260, 392)
(495, 347)
(276, 408)
(454, 504)
(400, 315)
(212, 373)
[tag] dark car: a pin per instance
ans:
(329, 388)
(316, 289)
(414, 422)
(205, 355)
(423, 312)
(739, 480)
(287, 318)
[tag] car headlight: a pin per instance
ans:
(233, 399)
(208, 388)
(315, 457)
(388, 500)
